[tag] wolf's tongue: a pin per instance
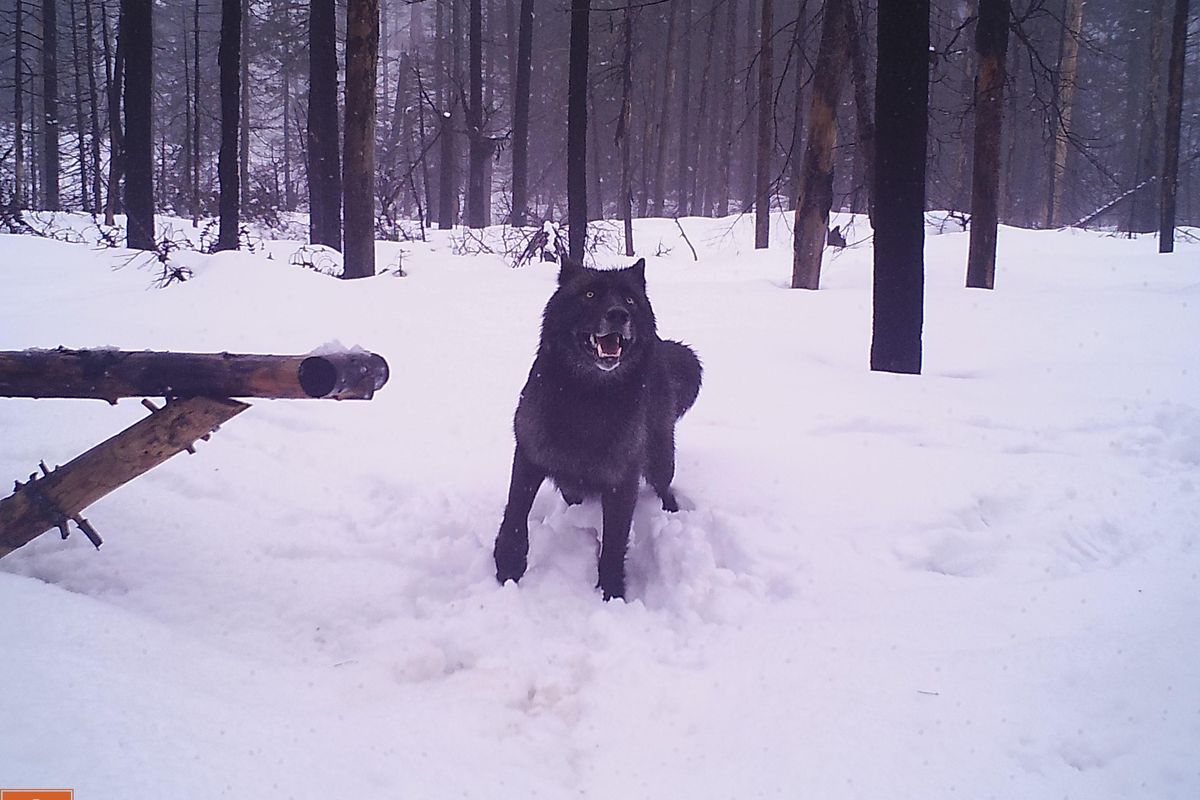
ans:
(609, 345)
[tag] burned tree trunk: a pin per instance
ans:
(1170, 173)
(816, 194)
(991, 45)
(902, 124)
(61, 494)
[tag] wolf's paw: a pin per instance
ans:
(669, 502)
(511, 560)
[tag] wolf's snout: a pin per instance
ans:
(617, 317)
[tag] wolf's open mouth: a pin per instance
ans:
(608, 345)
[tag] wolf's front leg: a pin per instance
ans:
(618, 504)
(512, 542)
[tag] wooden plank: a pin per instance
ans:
(46, 502)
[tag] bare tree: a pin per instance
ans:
(229, 57)
(902, 121)
(1170, 173)
(324, 161)
(137, 40)
(816, 193)
(623, 122)
(991, 46)
(1064, 97)
(50, 121)
(362, 58)
(577, 129)
(524, 70)
(766, 83)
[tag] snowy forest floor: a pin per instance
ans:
(980, 582)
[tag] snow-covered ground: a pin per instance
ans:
(980, 582)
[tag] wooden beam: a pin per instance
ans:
(112, 374)
(48, 501)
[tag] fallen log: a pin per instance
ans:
(113, 374)
(59, 495)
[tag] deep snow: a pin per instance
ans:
(980, 582)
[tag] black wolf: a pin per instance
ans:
(598, 412)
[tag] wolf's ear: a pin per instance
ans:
(568, 268)
(638, 270)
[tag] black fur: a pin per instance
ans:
(598, 412)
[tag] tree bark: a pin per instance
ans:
(577, 215)
(362, 58)
(1064, 96)
(721, 207)
(137, 42)
(658, 191)
(864, 148)
(195, 132)
(229, 66)
(324, 161)
(80, 137)
(816, 194)
(51, 125)
(114, 70)
(991, 47)
(244, 116)
(682, 206)
(479, 148)
(19, 105)
(524, 73)
(766, 82)
(901, 119)
(1143, 218)
(623, 126)
(1170, 173)
(93, 104)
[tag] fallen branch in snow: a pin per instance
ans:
(61, 494)
(683, 233)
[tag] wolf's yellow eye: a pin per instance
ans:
(590, 295)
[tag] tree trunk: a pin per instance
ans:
(195, 132)
(137, 42)
(747, 171)
(80, 137)
(1170, 173)
(362, 58)
(682, 207)
(902, 120)
(324, 161)
(244, 118)
(229, 66)
(1143, 218)
(816, 190)
(991, 47)
(766, 83)
(114, 72)
(577, 71)
(19, 105)
(520, 166)
(657, 192)
(623, 129)
(479, 149)
(796, 147)
(700, 181)
(1064, 95)
(50, 119)
(721, 206)
(864, 149)
(93, 105)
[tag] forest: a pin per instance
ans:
(454, 112)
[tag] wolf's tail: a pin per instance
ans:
(683, 372)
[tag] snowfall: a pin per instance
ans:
(979, 582)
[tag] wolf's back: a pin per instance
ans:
(683, 372)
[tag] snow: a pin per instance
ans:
(980, 582)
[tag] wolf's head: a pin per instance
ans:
(599, 323)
